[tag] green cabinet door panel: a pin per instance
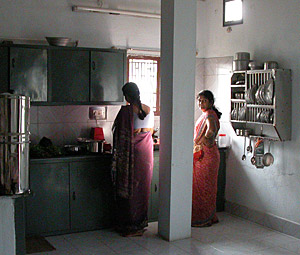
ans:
(63, 75)
(107, 76)
(221, 181)
(69, 75)
(91, 198)
(47, 210)
(4, 75)
(28, 72)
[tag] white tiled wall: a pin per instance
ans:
(64, 124)
(214, 74)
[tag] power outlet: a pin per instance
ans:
(97, 113)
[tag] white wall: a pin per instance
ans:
(35, 19)
(270, 32)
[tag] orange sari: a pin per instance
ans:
(205, 176)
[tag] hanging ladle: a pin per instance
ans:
(268, 158)
(249, 147)
(244, 155)
(253, 160)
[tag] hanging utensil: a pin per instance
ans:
(244, 155)
(253, 159)
(249, 147)
(268, 158)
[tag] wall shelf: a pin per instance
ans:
(268, 121)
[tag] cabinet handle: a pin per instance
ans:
(13, 61)
(93, 65)
(155, 187)
(74, 196)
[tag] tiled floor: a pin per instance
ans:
(232, 235)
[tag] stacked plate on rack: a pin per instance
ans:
(264, 93)
(265, 116)
(250, 95)
(242, 113)
(234, 114)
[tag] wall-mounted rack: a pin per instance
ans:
(261, 102)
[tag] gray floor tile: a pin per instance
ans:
(232, 236)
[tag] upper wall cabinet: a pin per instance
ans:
(68, 75)
(24, 70)
(86, 76)
(63, 75)
(107, 76)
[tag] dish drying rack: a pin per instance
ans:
(261, 102)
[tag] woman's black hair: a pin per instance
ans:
(210, 97)
(132, 94)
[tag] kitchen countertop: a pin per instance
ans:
(74, 157)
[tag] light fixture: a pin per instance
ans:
(232, 12)
(76, 8)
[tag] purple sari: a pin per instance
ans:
(133, 169)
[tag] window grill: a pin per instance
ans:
(144, 71)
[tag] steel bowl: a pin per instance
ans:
(74, 149)
(58, 41)
(255, 65)
(95, 146)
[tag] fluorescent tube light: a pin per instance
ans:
(76, 8)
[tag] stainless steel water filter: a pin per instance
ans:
(14, 144)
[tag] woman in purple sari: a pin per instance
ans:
(132, 162)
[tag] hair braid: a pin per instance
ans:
(142, 114)
(131, 90)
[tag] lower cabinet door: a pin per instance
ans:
(47, 209)
(221, 182)
(91, 198)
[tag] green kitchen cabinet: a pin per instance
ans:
(63, 75)
(108, 74)
(24, 71)
(70, 194)
(4, 73)
(47, 209)
(221, 180)
(90, 195)
(68, 75)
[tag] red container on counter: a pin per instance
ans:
(97, 133)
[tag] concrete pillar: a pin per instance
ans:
(12, 226)
(7, 226)
(178, 57)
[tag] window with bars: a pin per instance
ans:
(145, 72)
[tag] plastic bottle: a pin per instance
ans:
(222, 141)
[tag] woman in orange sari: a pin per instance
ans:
(206, 162)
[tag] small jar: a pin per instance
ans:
(222, 140)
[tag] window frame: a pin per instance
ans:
(143, 57)
(232, 23)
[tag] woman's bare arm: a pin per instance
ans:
(211, 131)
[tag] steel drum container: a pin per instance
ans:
(14, 144)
